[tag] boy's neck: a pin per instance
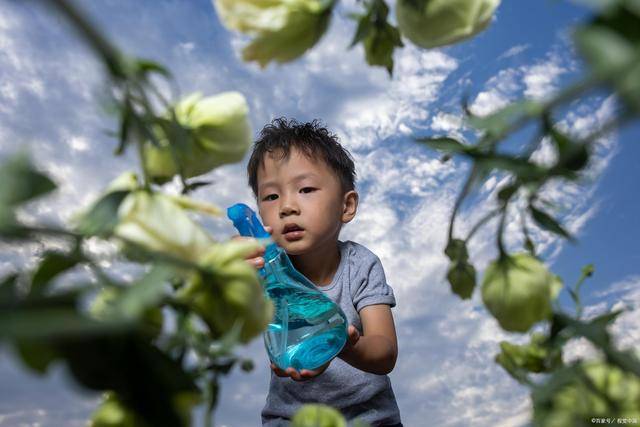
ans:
(319, 266)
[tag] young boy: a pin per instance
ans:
(303, 181)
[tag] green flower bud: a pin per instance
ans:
(532, 357)
(518, 291)
(125, 181)
(155, 222)
(317, 415)
(238, 301)
(112, 413)
(229, 252)
(238, 296)
(217, 132)
(282, 29)
(102, 304)
(432, 23)
(601, 390)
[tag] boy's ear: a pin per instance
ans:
(349, 206)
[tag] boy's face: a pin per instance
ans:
(302, 201)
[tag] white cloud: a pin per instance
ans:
(445, 370)
(514, 51)
(500, 90)
(450, 124)
(536, 81)
(622, 295)
(540, 79)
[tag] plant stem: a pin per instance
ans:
(501, 248)
(145, 174)
(109, 54)
(483, 221)
(463, 194)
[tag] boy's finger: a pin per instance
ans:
(279, 372)
(294, 374)
(354, 335)
(297, 376)
(255, 254)
(305, 373)
(268, 229)
(256, 262)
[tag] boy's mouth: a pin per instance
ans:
(292, 232)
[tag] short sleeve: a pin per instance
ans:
(370, 286)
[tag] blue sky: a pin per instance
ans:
(50, 84)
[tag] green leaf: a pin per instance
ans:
(571, 156)
(194, 185)
(126, 125)
(596, 332)
(603, 48)
(53, 264)
(21, 181)
(363, 29)
(145, 66)
(507, 192)
(456, 250)
(247, 365)
(447, 144)
(529, 246)
(462, 278)
(524, 170)
(36, 354)
(8, 223)
(8, 291)
(546, 222)
(223, 366)
(48, 322)
(147, 380)
(230, 339)
(380, 44)
(498, 123)
(588, 270)
(213, 392)
(611, 45)
(536, 356)
(103, 215)
(144, 294)
(378, 37)
(623, 19)
(606, 319)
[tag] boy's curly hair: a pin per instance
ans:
(311, 139)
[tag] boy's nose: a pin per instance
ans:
(287, 209)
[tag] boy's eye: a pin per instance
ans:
(271, 197)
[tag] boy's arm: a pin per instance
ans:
(376, 350)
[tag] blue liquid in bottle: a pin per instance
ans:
(308, 329)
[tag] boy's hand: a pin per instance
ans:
(255, 259)
(305, 374)
(302, 375)
(352, 338)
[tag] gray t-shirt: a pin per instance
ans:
(358, 282)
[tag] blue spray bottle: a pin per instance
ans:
(308, 329)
